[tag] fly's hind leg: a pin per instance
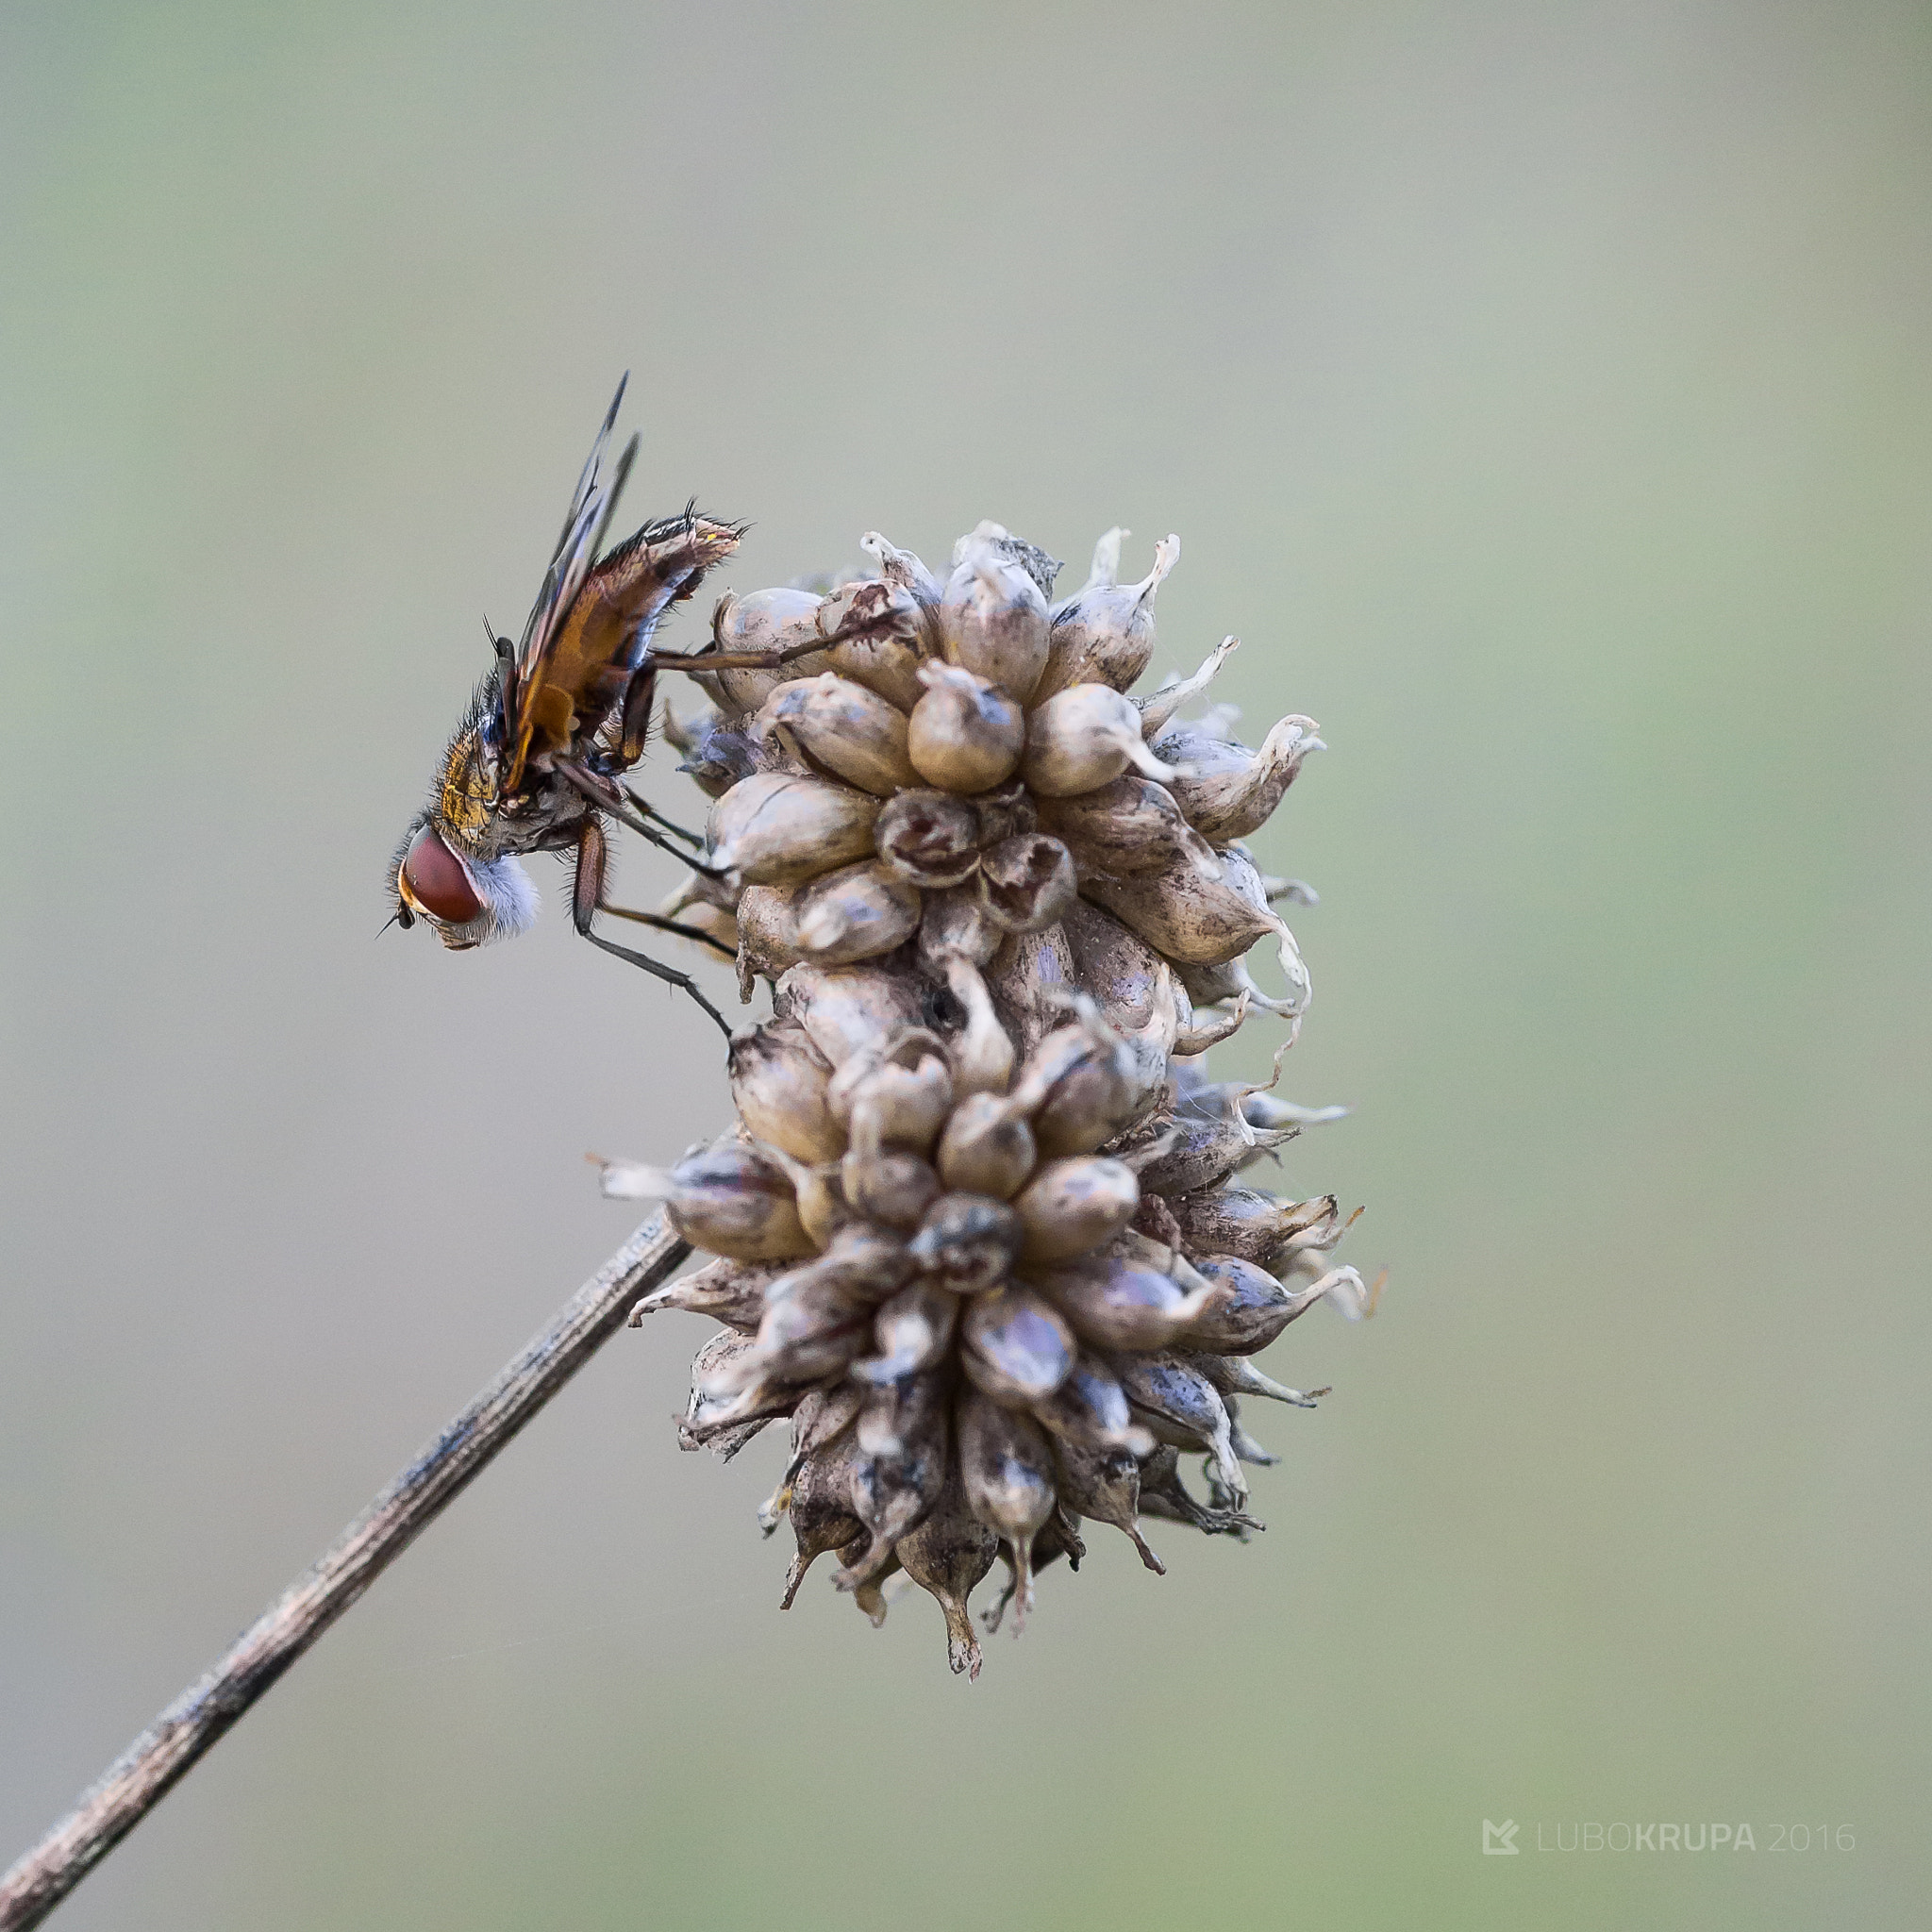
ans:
(586, 897)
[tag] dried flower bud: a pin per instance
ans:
(822, 1517)
(1225, 790)
(715, 756)
(1185, 1153)
(767, 621)
(913, 1332)
(847, 1009)
(1006, 1466)
(987, 1148)
(965, 733)
(1128, 828)
(774, 828)
(893, 1189)
(726, 1290)
(1254, 1227)
(1256, 1309)
(855, 913)
(1031, 980)
(901, 567)
(1105, 1484)
(983, 1056)
(1077, 1086)
(1114, 1304)
(994, 623)
(1028, 882)
(778, 1081)
(1105, 633)
(948, 1556)
(902, 1105)
(1017, 1349)
(904, 1436)
(767, 934)
(1071, 1206)
(813, 1327)
(1158, 710)
(730, 1199)
(860, 1263)
(1184, 1408)
(956, 922)
(1089, 1408)
(929, 838)
(1083, 738)
(966, 1243)
(854, 733)
(1188, 918)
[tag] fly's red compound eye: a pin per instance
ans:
(438, 882)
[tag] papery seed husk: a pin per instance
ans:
(1231, 980)
(1016, 1348)
(1112, 1304)
(822, 1517)
(766, 620)
(912, 1332)
(1088, 1101)
(956, 923)
(726, 1289)
(991, 539)
(948, 1556)
(1256, 1309)
(1105, 634)
(865, 1263)
(847, 1009)
(892, 1188)
(857, 912)
(1250, 1224)
(986, 1148)
(766, 936)
(854, 733)
(1246, 1447)
(966, 1243)
(734, 1201)
(1183, 1408)
(1158, 709)
(1059, 1536)
(877, 635)
(775, 829)
(897, 1476)
(1004, 813)
(1185, 916)
(1027, 882)
(1127, 830)
(1105, 1484)
(1083, 738)
(902, 568)
(1073, 1206)
(965, 734)
(1007, 1468)
(993, 619)
(814, 1329)
(1030, 981)
(1136, 989)
(716, 755)
(1240, 872)
(1164, 1495)
(778, 1081)
(822, 1415)
(1225, 790)
(1195, 1035)
(1182, 1153)
(1091, 1408)
(928, 837)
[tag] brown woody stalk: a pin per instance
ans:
(173, 1743)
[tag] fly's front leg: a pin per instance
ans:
(587, 901)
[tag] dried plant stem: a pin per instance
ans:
(137, 1779)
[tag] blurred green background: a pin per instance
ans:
(1541, 392)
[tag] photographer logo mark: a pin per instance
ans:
(1499, 1840)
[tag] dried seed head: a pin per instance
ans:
(776, 829)
(965, 734)
(1083, 738)
(1186, 1409)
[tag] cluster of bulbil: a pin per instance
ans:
(979, 1231)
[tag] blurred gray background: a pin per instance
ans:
(1541, 392)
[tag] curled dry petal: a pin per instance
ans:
(776, 829)
(1083, 738)
(857, 912)
(965, 734)
(854, 732)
